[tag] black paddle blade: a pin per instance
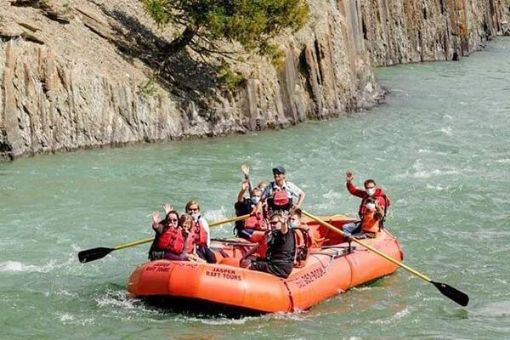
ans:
(453, 293)
(93, 254)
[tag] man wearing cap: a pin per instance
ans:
(280, 186)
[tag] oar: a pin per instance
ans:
(448, 291)
(96, 253)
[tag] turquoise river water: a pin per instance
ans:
(440, 146)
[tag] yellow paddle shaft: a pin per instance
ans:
(147, 240)
(398, 263)
(134, 243)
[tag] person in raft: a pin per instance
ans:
(282, 195)
(201, 232)
(371, 190)
(169, 241)
(249, 205)
(281, 249)
(186, 223)
(370, 221)
(262, 185)
(302, 236)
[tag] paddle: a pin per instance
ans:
(96, 253)
(448, 291)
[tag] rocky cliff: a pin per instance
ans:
(404, 31)
(77, 74)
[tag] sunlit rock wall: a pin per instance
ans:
(78, 74)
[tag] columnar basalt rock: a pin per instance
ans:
(402, 31)
(85, 73)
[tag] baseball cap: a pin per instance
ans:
(279, 170)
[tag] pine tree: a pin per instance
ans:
(252, 23)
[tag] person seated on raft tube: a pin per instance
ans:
(371, 190)
(186, 223)
(262, 185)
(282, 195)
(169, 241)
(281, 249)
(370, 221)
(201, 232)
(252, 206)
(302, 237)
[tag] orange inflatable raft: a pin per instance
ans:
(332, 267)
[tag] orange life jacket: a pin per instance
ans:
(369, 222)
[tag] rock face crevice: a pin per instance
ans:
(86, 73)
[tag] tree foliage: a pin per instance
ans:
(252, 23)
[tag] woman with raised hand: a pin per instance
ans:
(169, 241)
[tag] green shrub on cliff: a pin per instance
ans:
(252, 23)
(228, 79)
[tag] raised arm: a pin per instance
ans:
(351, 187)
(167, 207)
(240, 195)
(156, 222)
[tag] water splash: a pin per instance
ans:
(17, 266)
(397, 316)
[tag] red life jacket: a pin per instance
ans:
(171, 240)
(255, 221)
(200, 234)
(280, 200)
(189, 243)
(251, 222)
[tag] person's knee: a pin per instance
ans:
(207, 254)
(349, 227)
